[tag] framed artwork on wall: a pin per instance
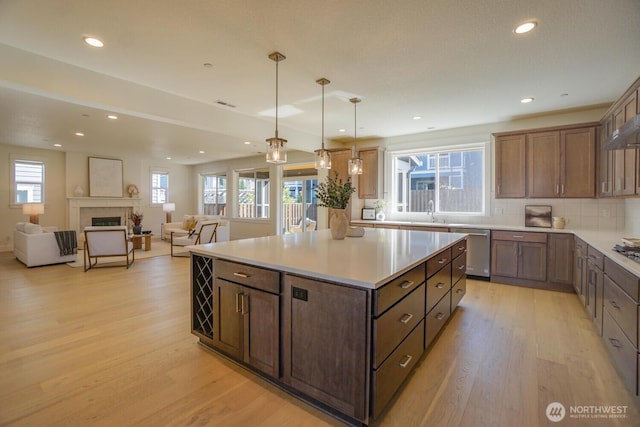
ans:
(105, 177)
(537, 216)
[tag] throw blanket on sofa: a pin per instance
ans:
(67, 242)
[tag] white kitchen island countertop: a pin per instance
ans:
(367, 262)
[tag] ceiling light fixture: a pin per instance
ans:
(57, 145)
(92, 41)
(112, 117)
(355, 162)
(201, 151)
(276, 150)
(417, 117)
(323, 157)
(342, 130)
(79, 134)
(527, 100)
(247, 143)
(525, 27)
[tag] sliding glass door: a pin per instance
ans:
(299, 204)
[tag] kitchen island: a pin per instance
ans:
(339, 324)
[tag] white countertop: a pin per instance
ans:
(368, 262)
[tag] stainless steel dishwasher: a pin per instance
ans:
(478, 251)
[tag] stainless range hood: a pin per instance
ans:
(626, 136)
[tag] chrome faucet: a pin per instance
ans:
(431, 210)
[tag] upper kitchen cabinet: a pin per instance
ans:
(510, 166)
(559, 162)
(368, 181)
(624, 170)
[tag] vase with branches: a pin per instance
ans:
(136, 218)
(335, 194)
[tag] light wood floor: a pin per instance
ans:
(112, 347)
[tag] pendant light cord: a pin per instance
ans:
(323, 117)
(277, 63)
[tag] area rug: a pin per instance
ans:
(158, 248)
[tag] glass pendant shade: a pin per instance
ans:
(276, 150)
(355, 166)
(323, 159)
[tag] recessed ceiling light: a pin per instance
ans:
(112, 117)
(417, 117)
(527, 100)
(201, 152)
(79, 134)
(525, 28)
(57, 145)
(92, 41)
(168, 158)
(247, 143)
(342, 130)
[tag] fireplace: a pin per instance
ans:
(105, 220)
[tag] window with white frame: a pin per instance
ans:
(452, 184)
(28, 181)
(214, 194)
(253, 193)
(159, 187)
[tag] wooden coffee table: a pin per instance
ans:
(137, 241)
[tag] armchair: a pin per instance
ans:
(109, 241)
(204, 232)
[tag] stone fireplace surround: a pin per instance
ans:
(82, 209)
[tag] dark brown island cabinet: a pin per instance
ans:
(342, 347)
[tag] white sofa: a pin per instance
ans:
(34, 245)
(222, 233)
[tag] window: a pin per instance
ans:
(253, 193)
(214, 194)
(159, 187)
(28, 181)
(456, 185)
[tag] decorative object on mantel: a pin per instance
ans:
(335, 194)
(132, 190)
(379, 207)
(276, 150)
(33, 210)
(136, 218)
(78, 191)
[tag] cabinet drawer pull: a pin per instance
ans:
(459, 291)
(243, 275)
(406, 317)
(517, 236)
(442, 261)
(461, 267)
(245, 307)
(462, 248)
(238, 310)
(408, 358)
(440, 285)
(616, 343)
(407, 284)
(439, 316)
(614, 304)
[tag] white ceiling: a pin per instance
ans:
(455, 63)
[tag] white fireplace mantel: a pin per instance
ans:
(75, 204)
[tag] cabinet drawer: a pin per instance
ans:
(438, 261)
(436, 319)
(255, 277)
(394, 325)
(519, 236)
(393, 291)
(457, 292)
(596, 257)
(390, 376)
(458, 249)
(438, 285)
(623, 352)
(458, 267)
(622, 308)
(626, 280)
(581, 247)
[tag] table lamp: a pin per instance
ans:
(33, 210)
(168, 208)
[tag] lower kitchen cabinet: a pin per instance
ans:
(595, 286)
(580, 274)
(519, 255)
(560, 263)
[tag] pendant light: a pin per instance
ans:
(276, 150)
(323, 157)
(355, 162)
